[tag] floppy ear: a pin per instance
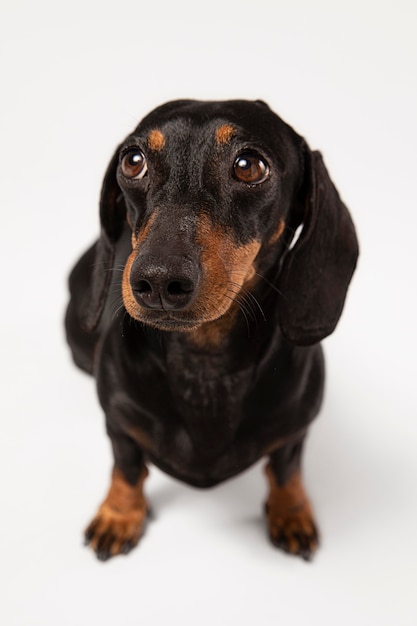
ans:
(316, 273)
(112, 215)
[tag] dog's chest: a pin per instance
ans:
(208, 399)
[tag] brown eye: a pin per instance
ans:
(250, 168)
(134, 164)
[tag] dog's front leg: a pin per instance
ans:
(118, 524)
(291, 521)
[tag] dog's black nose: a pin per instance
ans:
(165, 286)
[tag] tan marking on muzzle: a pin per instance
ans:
(227, 269)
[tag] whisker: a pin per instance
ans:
(244, 305)
(115, 306)
(241, 309)
(268, 282)
(115, 269)
(249, 294)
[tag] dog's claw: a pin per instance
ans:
(126, 547)
(295, 535)
(111, 535)
(89, 534)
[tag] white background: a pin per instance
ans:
(75, 78)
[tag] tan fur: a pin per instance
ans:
(156, 140)
(227, 268)
(210, 334)
(289, 513)
(121, 517)
(224, 134)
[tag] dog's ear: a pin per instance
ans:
(316, 272)
(112, 216)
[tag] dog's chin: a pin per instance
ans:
(172, 325)
(168, 322)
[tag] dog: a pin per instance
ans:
(224, 259)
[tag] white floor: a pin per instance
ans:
(74, 81)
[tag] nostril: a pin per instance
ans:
(178, 288)
(144, 288)
(164, 285)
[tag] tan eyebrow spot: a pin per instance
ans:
(156, 140)
(224, 133)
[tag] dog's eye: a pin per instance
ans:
(134, 164)
(250, 168)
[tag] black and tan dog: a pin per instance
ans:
(200, 315)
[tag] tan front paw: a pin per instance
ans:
(291, 522)
(120, 520)
(295, 533)
(111, 533)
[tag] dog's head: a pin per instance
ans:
(213, 193)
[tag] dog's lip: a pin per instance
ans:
(170, 321)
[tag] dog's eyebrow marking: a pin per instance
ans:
(224, 133)
(156, 140)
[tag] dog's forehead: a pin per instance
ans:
(216, 121)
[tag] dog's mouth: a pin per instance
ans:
(174, 321)
(202, 331)
(169, 322)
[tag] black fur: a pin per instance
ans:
(206, 408)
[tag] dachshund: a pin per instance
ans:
(224, 258)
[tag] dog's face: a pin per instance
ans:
(207, 188)
(213, 193)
